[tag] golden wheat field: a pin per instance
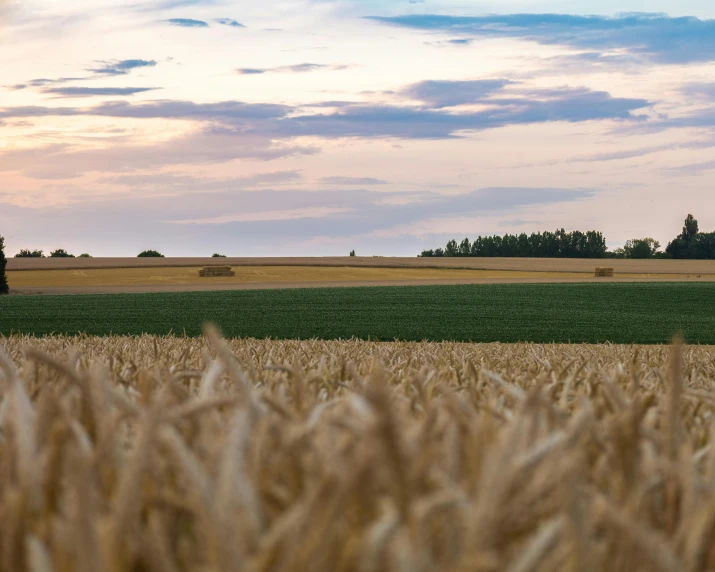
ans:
(84, 280)
(261, 274)
(174, 454)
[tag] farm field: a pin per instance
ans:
(683, 267)
(196, 454)
(118, 280)
(252, 274)
(609, 312)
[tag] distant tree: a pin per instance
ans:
(150, 254)
(30, 254)
(680, 248)
(706, 246)
(426, 254)
(615, 253)
(352, 253)
(4, 288)
(465, 247)
(216, 255)
(61, 253)
(438, 252)
(451, 249)
(641, 248)
(690, 228)
(691, 243)
(84, 255)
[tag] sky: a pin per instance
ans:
(315, 127)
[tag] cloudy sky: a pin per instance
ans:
(313, 127)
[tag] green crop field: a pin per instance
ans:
(619, 313)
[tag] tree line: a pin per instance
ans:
(690, 244)
(62, 253)
(59, 253)
(559, 244)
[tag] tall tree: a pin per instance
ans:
(4, 288)
(687, 244)
(451, 249)
(690, 228)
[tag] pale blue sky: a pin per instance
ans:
(317, 126)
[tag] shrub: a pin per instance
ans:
(150, 254)
(24, 253)
(4, 289)
(61, 253)
(84, 255)
(216, 255)
(352, 253)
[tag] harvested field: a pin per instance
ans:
(694, 267)
(613, 312)
(186, 454)
(100, 280)
(256, 274)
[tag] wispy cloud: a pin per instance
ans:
(95, 91)
(642, 151)
(225, 111)
(624, 154)
(181, 183)
(295, 68)
(103, 69)
(527, 107)
(439, 94)
(205, 147)
(266, 215)
(251, 71)
(691, 168)
(513, 107)
(655, 37)
(121, 67)
(229, 22)
(41, 82)
(187, 23)
(357, 181)
(700, 91)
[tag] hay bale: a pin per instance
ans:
(211, 271)
(602, 272)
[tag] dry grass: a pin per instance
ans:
(193, 454)
(693, 267)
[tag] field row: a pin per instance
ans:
(183, 454)
(619, 313)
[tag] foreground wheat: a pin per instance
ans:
(175, 454)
